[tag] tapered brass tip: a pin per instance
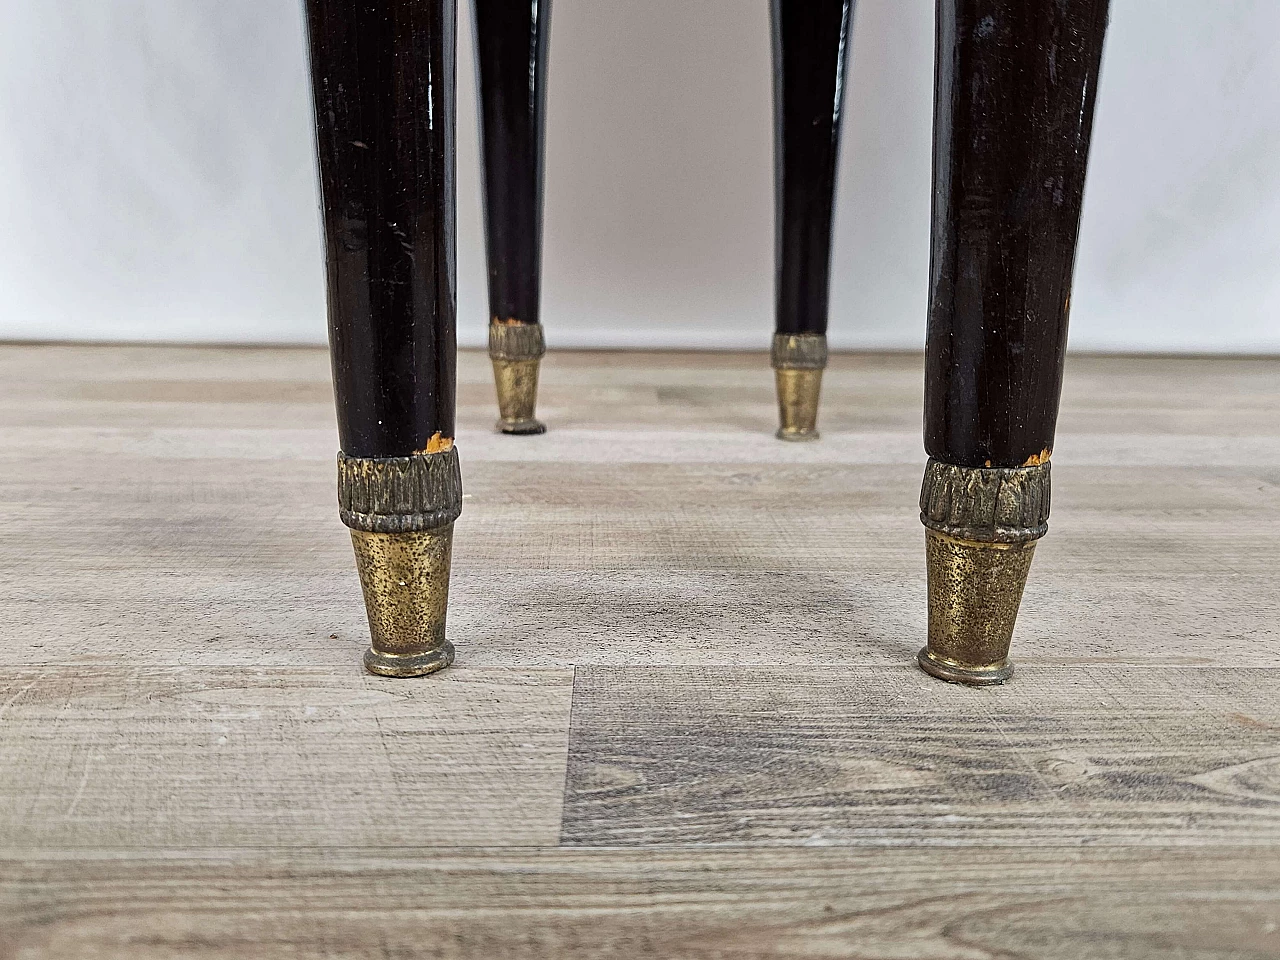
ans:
(517, 383)
(516, 350)
(798, 392)
(982, 524)
(974, 593)
(798, 362)
(405, 578)
(401, 512)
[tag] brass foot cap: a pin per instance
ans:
(797, 436)
(408, 665)
(798, 392)
(953, 672)
(522, 428)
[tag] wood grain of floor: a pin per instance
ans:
(683, 722)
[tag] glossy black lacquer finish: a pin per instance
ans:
(511, 59)
(810, 51)
(383, 75)
(1015, 90)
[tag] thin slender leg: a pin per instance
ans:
(511, 59)
(1015, 88)
(810, 51)
(383, 77)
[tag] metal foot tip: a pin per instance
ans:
(405, 578)
(952, 672)
(516, 350)
(798, 392)
(797, 436)
(408, 665)
(522, 428)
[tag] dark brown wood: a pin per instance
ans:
(810, 51)
(1016, 81)
(512, 39)
(383, 78)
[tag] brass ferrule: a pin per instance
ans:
(405, 579)
(401, 512)
(981, 527)
(516, 350)
(798, 361)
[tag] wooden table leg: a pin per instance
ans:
(1016, 81)
(383, 79)
(810, 51)
(511, 60)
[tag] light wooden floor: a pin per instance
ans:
(684, 720)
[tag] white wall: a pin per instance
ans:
(156, 176)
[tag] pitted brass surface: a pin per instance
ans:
(405, 578)
(982, 524)
(974, 593)
(401, 512)
(516, 350)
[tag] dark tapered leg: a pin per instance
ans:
(810, 50)
(383, 77)
(511, 61)
(1016, 81)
